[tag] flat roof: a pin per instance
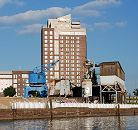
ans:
(5, 72)
(112, 62)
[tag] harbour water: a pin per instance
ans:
(85, 123)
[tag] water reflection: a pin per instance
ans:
(90, 123)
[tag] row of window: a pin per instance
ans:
(67, 41)
(50, 32)
(70, 49)
(61, 41)
(67, 37)
(71, 54)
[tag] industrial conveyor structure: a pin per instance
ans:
(37, 81)
(112, 82)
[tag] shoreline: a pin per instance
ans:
(21, 114)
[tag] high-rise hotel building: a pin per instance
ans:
(64, 40)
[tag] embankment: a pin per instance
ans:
(12, 114)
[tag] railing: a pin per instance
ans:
(88, 105)
(22, 105)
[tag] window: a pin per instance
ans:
(78, 61)
(45, 45)
(78, 69)
(67, 77)
(78, 65)
(46, 49)
(45, 41)
(78, 53)
(61, 65)
(67, 49)
(51, 52)
(62, 69)
(61, 61)
(78, 81)
(62, 73)
(61, 53)
(56, 37)
(56, 41)
(72, 41)
(61, 41)
(77, 45)
(51, 37)
(72, 65)
(77, 38)
(78, 49)
(72, 53)
(67, 65)
(72, 77)
(61, 37)
(67, 61)
(45, 37)
(61, 45)
(78, 58)
(77, 41)
(51, 73)
(51, 32)
(45, 32)
(72, 45)
(72, 69)
(51, 45)
(51, 41)
(67, 69)
(67, 73)
(46, 61)
(61, 49)
(67, 41)
(46, 53)
(72, 49)
(67, 45)
(72, 73)
(72, 61)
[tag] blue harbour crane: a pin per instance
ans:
(37, 81)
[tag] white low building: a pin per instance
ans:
(5, 80)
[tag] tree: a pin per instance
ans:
(94, 78)
(9, 91)
(135, 92)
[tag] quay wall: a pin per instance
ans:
(41, 113)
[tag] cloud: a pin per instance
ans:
(88, 9)
(105, 25)
(4, 2)
(102, 25)
(29, 29)
(98, 4)
(92, 8)
(121, 24)
(35, 15)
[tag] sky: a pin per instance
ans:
(112, 32)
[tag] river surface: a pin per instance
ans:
(85, 123)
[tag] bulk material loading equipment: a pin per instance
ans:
(37, 81)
